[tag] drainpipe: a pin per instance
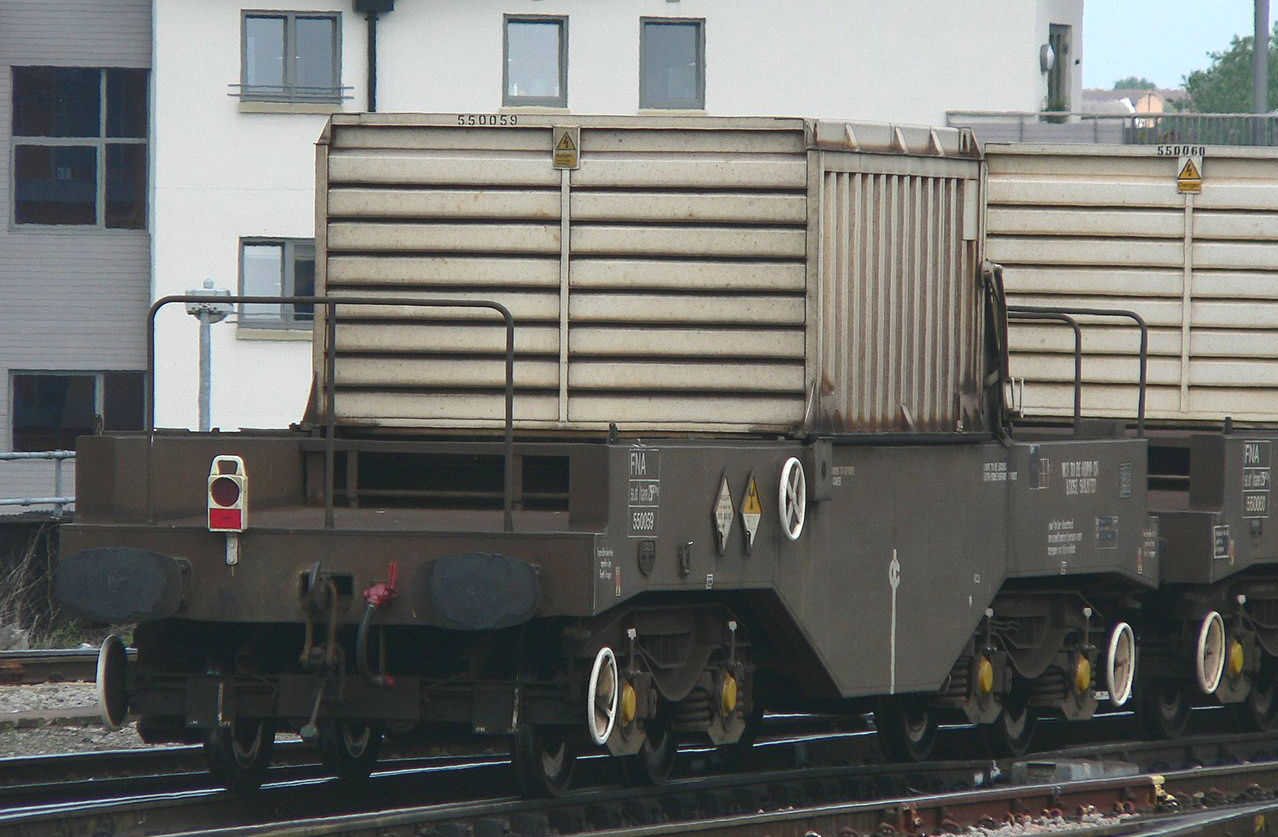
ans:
(371, 9)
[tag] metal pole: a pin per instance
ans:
(330, 406)
(1260, 68)
(57, 485)
(372, 62)
(206, 370)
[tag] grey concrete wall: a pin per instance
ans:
(70, 298)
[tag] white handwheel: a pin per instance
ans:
(1120, 664)
(792, 499)
(601, 714)
(113, 704)
(1209, 655)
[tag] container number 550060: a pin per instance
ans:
(1182, 150)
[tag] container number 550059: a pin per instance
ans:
(487, 119)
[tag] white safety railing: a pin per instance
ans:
(58, 500)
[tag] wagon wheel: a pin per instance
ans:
(1012, 732)
(543, 758)
(1259, 711)
(654, 762)
(349, 749)
(1163, 710)
(907, 729)
(239, 755)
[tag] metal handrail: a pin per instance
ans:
(1078, 349)
(58, 500)
(1168, 127)
(1107, 312)
(330, 339)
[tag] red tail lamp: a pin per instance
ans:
(228, 494)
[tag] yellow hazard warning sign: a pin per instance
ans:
(566, 147)
(751, 505)
(1189, 179)
(751, 512)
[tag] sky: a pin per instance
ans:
(1162, 40)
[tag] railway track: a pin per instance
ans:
(59, 665)
(453, 795)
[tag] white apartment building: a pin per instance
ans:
(241, 93)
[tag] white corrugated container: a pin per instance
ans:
(1104, 226)
(727, 274)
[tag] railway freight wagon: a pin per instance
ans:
(1077, 228)
(623, 430)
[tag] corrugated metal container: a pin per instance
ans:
(738, 275)
(1104, 226)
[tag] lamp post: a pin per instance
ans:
(212, 311)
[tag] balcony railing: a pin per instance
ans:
(1119, 129)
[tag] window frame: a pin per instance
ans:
(507, 100)
(288, 90)
(675, 104)
(288, 283)
(98, 144)
(99, 377)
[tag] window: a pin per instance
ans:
(79, 147)
(51, 408)
(291, 57)
(672, 63)
(278, 267)
(536, 61)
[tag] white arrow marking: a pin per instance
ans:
(894, 580)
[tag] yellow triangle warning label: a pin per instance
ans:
(565, 152)
(1189, 171)
(751, 504)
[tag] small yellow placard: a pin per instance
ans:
(751, 512)
(1190, 179)
(566, 147)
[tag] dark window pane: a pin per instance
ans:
(532, 59)
(49, 411)
(671, 65)
(316, 75)
(56, 102)
(304, 280)
(264, 54)
(55, 185)
(126, 103)
(122, 400)
(262, 266)
(126, 187)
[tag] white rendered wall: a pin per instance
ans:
(221, 174)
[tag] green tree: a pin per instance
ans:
(1134, 83)
(1225, 86)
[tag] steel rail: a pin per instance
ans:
(306, 808)
(32, 666)
(330, 304)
